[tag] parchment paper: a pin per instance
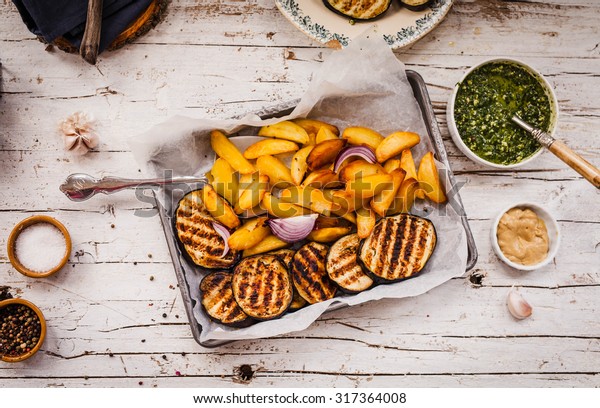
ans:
(361, 85)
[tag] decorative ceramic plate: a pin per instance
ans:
(400, 27)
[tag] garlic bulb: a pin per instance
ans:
(78, 133)
(518, 306)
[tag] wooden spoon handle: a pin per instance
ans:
(576, 162)
(91, 36)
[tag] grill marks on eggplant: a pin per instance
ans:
(310, 275)
(398, 248)
(218, 301)
(262, 286)
(343, 268)
(200, 241)
(359, 9)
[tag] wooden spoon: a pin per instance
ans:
(560, 150)
(91, 36)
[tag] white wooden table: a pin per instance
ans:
(219, 59)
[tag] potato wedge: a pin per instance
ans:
(279, 208)
(324, 153)
(313, 126)
(365, 221)
(394, 144)
(219, 208)
(391, 165)
(362, 136)
(278, 173)
(407, 163)
(308, 197)
(369, 186)
(249, 234)
(285, 130)
(328, 234)
(405, 197)
(298, 166)
(382, 201)
(251, 196)
(324, 134)
(348, 201)
(324, 178)
(429, 179)
(269, 147)
(227, 150)
(269, 243)
(225, 180)
(359, 168)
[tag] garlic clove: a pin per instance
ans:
(78, 133)
(518, 306)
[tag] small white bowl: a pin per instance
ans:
(551, 227)
(452, 124)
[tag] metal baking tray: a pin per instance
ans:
(422, 96)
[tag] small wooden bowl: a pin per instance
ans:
(12, 239)
(40, 315)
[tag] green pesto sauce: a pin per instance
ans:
(485, 102)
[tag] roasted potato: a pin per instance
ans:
(279, 208)
(249, 234)
(219, 208)
(391, 165)
(362, 136)
(369, 186)
(225, 180)
(252, 195)
(365, 221)
(328, 234)
(394, 144)
(285, 130)
(324, 134)
(278, 173)
(382, 201)
(298, 166)
(405, 197)
(308, 197)
(429, 180)
(313, 126)
(324, 153)
(348, 201)
(269, 147)
(407, 164)
(324, 178)
(359, 168)
(227, 150)
(269, 243)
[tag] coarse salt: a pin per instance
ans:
(40, 247)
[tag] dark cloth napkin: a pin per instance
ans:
(54, 18)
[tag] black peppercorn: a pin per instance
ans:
(20, 330)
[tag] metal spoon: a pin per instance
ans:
(590, 172)
(80, 186)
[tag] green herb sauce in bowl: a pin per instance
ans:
(480, 111)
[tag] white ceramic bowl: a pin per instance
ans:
(551, 227)
(452, 124)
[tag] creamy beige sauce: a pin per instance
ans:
(522, 236)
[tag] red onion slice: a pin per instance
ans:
(354, 151)
(293, 229)
(224, 233)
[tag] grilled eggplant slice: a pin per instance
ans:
(359, 9)
(309, 273)
(203, 245)
(416, 5)
(343, 267)
(218, 300)
(398, 248)
(285, 255)
(262, 286)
